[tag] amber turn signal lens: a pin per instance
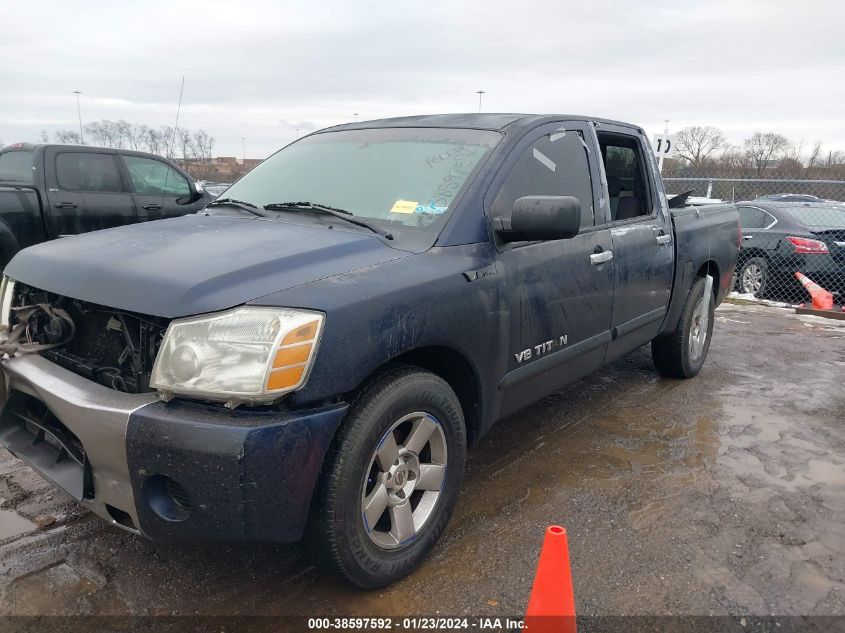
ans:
(291, 356)
(284, 378)
(301, 334)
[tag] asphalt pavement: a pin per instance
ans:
(724, 494)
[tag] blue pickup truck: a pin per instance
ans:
(311, 354)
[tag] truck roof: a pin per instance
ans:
(485, 121)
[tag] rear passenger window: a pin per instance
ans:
(80, 171)
(627, 185)
(753, 218)
(556, 164)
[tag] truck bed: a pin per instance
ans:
(704, 236)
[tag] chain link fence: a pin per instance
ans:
(793, 233)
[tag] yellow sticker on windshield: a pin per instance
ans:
(404, 206)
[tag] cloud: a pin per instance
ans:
(253, 67)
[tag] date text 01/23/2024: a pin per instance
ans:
(417, 623)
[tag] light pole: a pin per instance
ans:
(79, 114)
(355, 116)
(479, 93)
(243, 148)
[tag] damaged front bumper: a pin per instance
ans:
(174, 471)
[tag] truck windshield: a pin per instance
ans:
(16, 166)
(406, 179)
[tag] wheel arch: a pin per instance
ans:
(710, 267)
(747, 253)
(453, 367)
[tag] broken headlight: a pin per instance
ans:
(245, 355)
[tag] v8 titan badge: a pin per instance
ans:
(541, 348)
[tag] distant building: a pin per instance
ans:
(219, 168)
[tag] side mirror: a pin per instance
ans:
(539, 218)
(198, 193)
(189, 199)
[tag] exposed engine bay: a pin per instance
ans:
(112, 347)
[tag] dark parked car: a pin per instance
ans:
(311, 355)
(48, 191)
(782, 238)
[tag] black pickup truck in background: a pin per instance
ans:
(47, 191)
(311, 355)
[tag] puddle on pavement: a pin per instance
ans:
(13, 524)
(48, 591)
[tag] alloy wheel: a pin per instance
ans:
(752, 278)
(404, 479)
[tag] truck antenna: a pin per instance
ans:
(176, 125)
(173, 142)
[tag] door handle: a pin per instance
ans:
(600, 258)
(663, 239)
(748, 237)
(152, 207)
(65, 205)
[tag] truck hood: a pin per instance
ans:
(194, 264)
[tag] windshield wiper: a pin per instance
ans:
(343, 214)
(231, 202)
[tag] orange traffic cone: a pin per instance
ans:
(551, 607)
(822, 299)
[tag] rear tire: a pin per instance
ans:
(682, 353)
(416, 484)
(753, 277)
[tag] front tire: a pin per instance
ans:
(392, 479)
(682, 353)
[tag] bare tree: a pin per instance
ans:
(834, 159)
(44, 137)
(815, 155)
(67, 137)
(155, 141)
(732, 161)
(101, 133)
(697, 143)
(203, 144)
(795, 151)
(764, 147)
(184, 142)
(133, 135)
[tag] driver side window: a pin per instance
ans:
(155, 178)
(556, 164)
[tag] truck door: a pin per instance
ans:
(85, 190)
(642, 238)
(559, 292)
(156, 186)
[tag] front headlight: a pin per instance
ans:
(246, 355)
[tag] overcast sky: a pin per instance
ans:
(260, 70)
